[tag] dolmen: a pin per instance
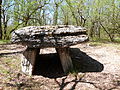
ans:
(60, 37)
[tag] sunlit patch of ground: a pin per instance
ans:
(97, 64)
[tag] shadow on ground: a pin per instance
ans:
(48, 65)
(85, 63)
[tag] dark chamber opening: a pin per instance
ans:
(48, 65)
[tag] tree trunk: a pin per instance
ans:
(5, 20)
(0, 19)
(110, 36)
(92, 30)
(55, 15)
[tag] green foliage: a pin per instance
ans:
(4, 41)
(117, 40)
(95, 44)
(100, 17)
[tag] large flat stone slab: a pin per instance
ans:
(50, 36)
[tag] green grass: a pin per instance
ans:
(106, 44)
(117, 40)
(4, 41)
(105, 39)
(116, 45)
(96, 44)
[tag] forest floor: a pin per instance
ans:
(97, 68)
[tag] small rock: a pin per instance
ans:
(1, 88)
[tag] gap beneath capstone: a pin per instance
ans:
(48, 64)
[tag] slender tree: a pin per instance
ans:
(0, 19)
(55, 16)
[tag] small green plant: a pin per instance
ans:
(117, 40)
(95, 44)
(4, 41)
(73, 71)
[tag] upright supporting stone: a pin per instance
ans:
(65, 58)
(28, 60)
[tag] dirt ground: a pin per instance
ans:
(97, 68)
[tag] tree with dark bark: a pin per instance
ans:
(0, 19)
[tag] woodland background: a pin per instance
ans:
(100, 17)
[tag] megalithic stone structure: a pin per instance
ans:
(37, 37)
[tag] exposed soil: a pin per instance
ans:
(98, 68)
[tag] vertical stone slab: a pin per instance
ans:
(65, 58)
(28, 60)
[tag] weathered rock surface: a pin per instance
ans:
(49, 36)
